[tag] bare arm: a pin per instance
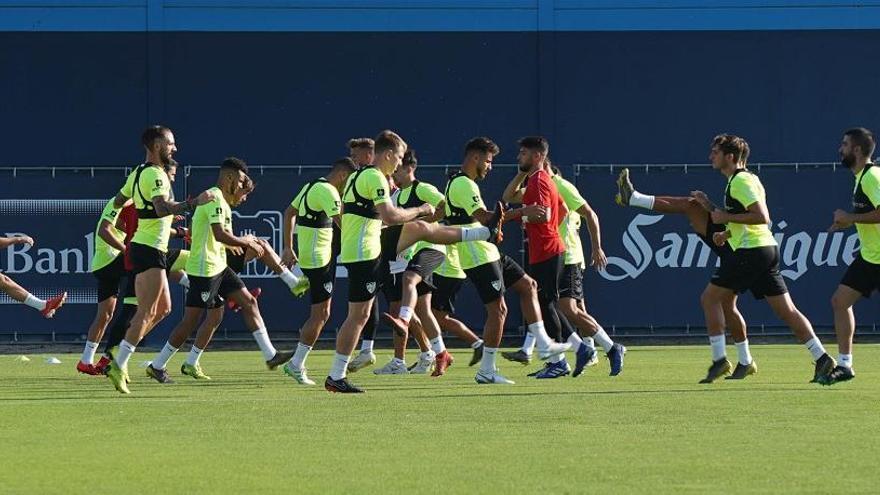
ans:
(844, 219)
(105, 232)
(439, 213)
(288, 256)
(120, 200)
(392, 215)
(165, 207)
(247, 242)
(5, 242)
(513, 193)
(757, 215)
(597, 257)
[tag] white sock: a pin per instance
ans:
(589, 342)
(288, 278)
(603, 339)
(816, 348)
(184, 280)
(366, 345)
(641, 200)
(398, 361)
(437, 344)
(557, 358)
(406, 313)
(575, 340)
(165, 355)
(298, 360)
(266, 347)
(845, 360)
(34, 302)
(528, 346)
(427, 355)
(195, 353)
(477, 344)
(487, 364)
(125, 352)
(474, 233)
(88, 355)
(339, 366)
(541, 338)
(718, 351)
(742, 352)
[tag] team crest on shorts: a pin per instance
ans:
(371, 287)
(496, 284)
(205, 296)
(328, 286)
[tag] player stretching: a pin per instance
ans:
(16, 292)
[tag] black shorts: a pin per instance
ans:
(547, 274)
(571, 284)
(235, 262)
(754, 269)
(862, 276)
(388, 239)
(320, 282)
(363, 279)
(392, 287)
(145, 257)
(711, 229)
(492, 279)
(510, 270)
(443, 298)
(424, 263)
(206, 292)
(109, 278)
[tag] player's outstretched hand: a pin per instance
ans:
(702, 200)
(24, 239)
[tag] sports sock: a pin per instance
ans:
(477, 344)
(288, 277)
(475, 233)
(437, 344)
(266, 347)
(165, 355)
(124, 354)
(88, 355)
(406, 313)
(603, 339)
(557, 358)
(589, 342)
(742, 352)
(575, 340)
(34, 302)
(339, 366)
(845, 360)
(366, 345)
(299, 356)
(541, 338)
(816, 348)
(427, 355)
(194, 355)
(641, 200)
(718, 351)
(398, 361)
(487, 364)
(528, 346)
(184, 280)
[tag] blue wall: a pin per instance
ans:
(288, 82)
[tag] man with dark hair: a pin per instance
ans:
(148, 186)
(863, 275)
(312, 214)
(212, 281)
(362, 151)
(489, 271)
(547, 256)
(753, 265)
(365, 245)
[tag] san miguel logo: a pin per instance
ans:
(799, 251)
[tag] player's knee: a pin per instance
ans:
(707, 299)
(321, 312)
(502, 309)
(839, 303)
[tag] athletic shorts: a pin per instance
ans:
(388, 239)
(235, 262)
(547, 274)
(753, 269)
(571, 283)
(171, 259)
(711, 229)
(364, 279)
(210, 292)
(109, 278)
(491, 279)
(320, 282)
(862, 276)
(145, 257)
(443, 297)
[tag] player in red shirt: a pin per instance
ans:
(546, 250)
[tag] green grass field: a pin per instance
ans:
(652, 429)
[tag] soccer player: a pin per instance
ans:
(48, 307)
(546, 256)
(448, 280)
(697, 208)
(489, 271)
(412, 289)
(312, 213)
(366, 206)
(753, 264)
(108, 268)
(149, 187)
(212, 281)
(863, 275)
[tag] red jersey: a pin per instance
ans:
(544, 240)
(128, 218)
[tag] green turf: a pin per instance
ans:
(652, 429)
